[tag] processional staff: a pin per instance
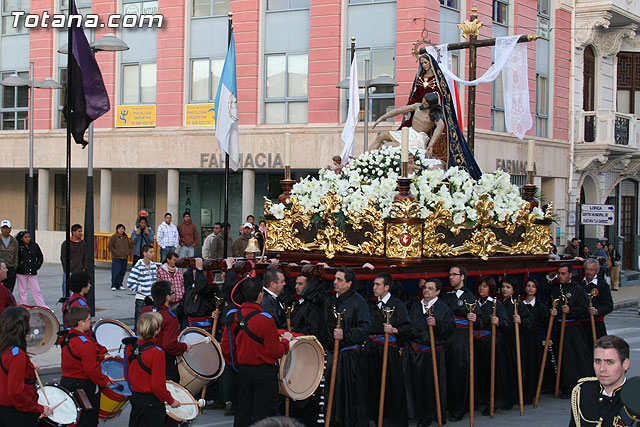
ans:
(492, 392)
(336, 350)
(388, 312)
(471, 307)
(562, 327)
(434, 362)
(544, 353)
(518, 356)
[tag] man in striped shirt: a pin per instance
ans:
(142, 276)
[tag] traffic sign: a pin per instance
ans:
(597, 218)
(598, 208)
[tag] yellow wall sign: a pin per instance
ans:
(135, 116)
(199, 115)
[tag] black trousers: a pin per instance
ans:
(10, 281)
(87, 418)
(146, 410)
(257, 394)
(172, 373)
(10, 416)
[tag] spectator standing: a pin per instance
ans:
(6, 297)
(217, 251)
(615, 258)
(168, 237)
(77, 255)
(120, 247)
(252, 220)
(188, 236)
(586, 253)
(241, 242)
(142, 236)
(142, 276)
(601, 256)
(30, 260)
(9, 253)
(170, 273)
(572, 249)
(207, 245)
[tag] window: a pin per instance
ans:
(628, 91)
(15, 104)
(286, 61)
(588, 80)
(497, 105)
(543, 19)
(138, 83)
(454, 4)
(147, 196)
(200, 8)
(542, 105)
(205, 76)
(9, 6)
(62, 78)
(60, 195)
(382, 62)
(501, 12)
(286, 89)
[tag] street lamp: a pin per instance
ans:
(383, 81)
(15, 80)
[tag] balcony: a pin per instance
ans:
(608, 127)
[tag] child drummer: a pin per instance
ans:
(80, 283)
(146, 374)
(18, 398)
(81, 367)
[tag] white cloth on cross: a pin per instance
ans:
(511, 60)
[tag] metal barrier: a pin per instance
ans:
(102, 254)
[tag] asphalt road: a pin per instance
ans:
(550, 411)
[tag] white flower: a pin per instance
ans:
(277, 210)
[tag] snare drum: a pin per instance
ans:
(67, 413)
(301, 369)
(184, 413)
(114, 397)
(203, 363)
(43, 329)
(109, 333)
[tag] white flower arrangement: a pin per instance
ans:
(373, 176)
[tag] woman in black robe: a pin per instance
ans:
(508, 386)
(532, 340)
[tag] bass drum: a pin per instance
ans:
(301, 369)
(203, 363)
(66, 413)
(109, 333)
(189, 409)
(115, 397)
(43, 329)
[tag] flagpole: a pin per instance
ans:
(226, 164)
(69, 96)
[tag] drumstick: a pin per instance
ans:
(55, 406)
(204, 341)
(201, 403)
(44, 393)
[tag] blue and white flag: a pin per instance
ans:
(349, 131)
(226, 106)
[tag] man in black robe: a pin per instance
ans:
(576, 355)
(457, 346)
(398, 328)
(348, 400)
(430, 311)
(596, 285)
(273, 282)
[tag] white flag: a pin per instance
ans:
(349, 131)
(226, 106)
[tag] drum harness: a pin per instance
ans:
(67, 306)
(14, 352)
(136, 354)
(66, 336)
(242, 324)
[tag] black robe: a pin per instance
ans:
(576, 356)
(532, 342)
(482, 351)
(349, 396)
(509, 370)
(275, 308)
(395, 407)
(305, 317)
(603, 302)
(457, 353)
(421, 379)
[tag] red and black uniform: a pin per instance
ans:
(251, 344)
(18, 398)
(81, 370)
(167, 339)
(145, 371)
(78, 300)
(6, 299)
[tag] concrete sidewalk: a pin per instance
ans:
(120, 304)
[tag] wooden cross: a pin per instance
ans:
(470, 31)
